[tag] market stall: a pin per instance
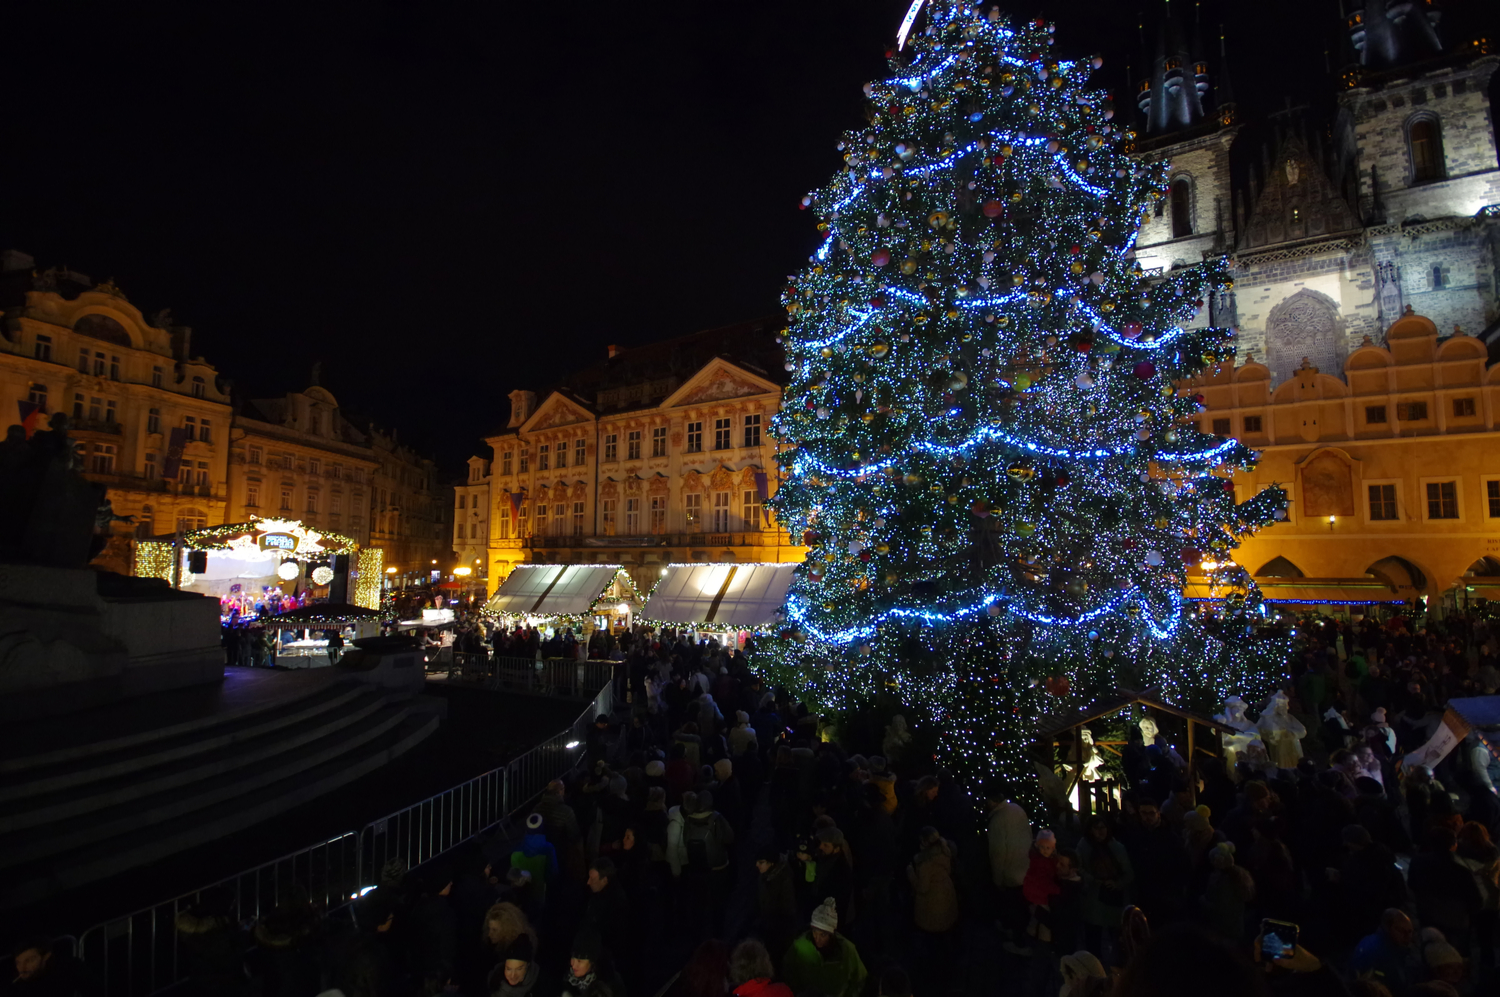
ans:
(263, 567)
(738, 598)
(303, 635)
(587, 596)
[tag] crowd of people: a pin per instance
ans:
(711, 842)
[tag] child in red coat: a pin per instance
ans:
(1040, 884)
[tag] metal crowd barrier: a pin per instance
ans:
(137, 955)
(557, 676)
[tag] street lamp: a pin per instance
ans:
(1330, 523)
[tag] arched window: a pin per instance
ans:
(1426, 145)
(1182, 208)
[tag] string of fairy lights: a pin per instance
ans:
(1001, 488)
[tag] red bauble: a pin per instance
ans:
(864, 555)
(1058, 685)
(810, 538)
(1229, 486)
(1083, 345)
(878, 301)
(1145, 369)
(1131, 330)
(880, 257)
(1075, 250)
(1190, 556)
(993, 209)
(1062, 479)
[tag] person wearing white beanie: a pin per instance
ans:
(1083, 974)
(823, 961)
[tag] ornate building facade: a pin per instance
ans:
(660, 454)
(1392, 463)
(297, 457)
(1334, 229)
(471, 519)
(129, 386)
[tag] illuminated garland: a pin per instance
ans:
(218, 537)
(369, 569)
(1001, 487)
(154, 559)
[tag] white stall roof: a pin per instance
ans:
(721, 595)
(552, 589)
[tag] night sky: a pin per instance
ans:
(444, 201)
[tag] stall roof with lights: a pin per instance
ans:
(743, 596)
(552, 589)
(1302, 591)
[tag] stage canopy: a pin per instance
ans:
(552, 589)
(721, 596)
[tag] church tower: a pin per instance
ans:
(1188, 121)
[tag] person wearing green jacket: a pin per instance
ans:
(822, 961)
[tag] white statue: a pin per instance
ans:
(1238, 744)
(897, 737)
(1282, 733)
(1093, 761)
(1149, 730)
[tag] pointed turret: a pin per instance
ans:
(1385, 34)
(1176, 93)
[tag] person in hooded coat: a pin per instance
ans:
(518, 974)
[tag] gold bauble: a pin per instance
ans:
(1020, 471)
(878, 350)
(826, 351)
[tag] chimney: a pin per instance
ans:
(612, 350)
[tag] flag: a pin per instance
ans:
(762, 485)
(176, 444)
(31, 416)
(515, 505)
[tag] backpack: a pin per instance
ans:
(705, 845)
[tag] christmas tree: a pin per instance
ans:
(1001, 487)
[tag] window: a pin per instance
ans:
(1252, 424)
(541, 519)
(206, 433)
(1442, 500)
(314, 465)
(114, 368)
(191, 519)
(632, 517)
(579, 450)
(1492, 492)
(255, 455)
(153, 425)
(1411, 411)
(1221, 427)
(156, 377)
(659, 441)
(523, 525)
(185, 473)
(83, 361)
(359, 476)
(1182, 208)
(525, 460)
(506, 460)
(462, 499)
(542, 457)
(252, 494)
(578, 519)
(721, 434)
(1426, 151)
(611, 447)
(750, 509)
(658, 514)
(693, 506)
(198, 387)
(286, 499)
(562, 454)
(42, 350)
(721, 512)
(336, 504)
(695, 437)
(473, 531)
(103, 458)
(1374, 414)
(37, 395)
(312, 502)
(200, 476)
(633, 445)
(1463, 407)
(752, 430)
(505, 519)
(190, 423)
(151, 472)
(1383, 502)
(98, 364)
(607, 516)
(109, 412)
(96, 409)
(77, 408)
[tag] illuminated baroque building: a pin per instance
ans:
(126, 383)
(471, 519)
(409, 509)
(657, 455)
(297, 457)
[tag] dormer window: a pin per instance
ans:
(199, 387)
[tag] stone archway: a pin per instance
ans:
(1307, 324)
(1400, 574)
(1279, 567)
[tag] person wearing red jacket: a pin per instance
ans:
(751, 972)
(1040, 884)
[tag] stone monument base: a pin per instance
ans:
(77, 638)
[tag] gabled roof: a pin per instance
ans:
(557, 410)
(719, 379)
